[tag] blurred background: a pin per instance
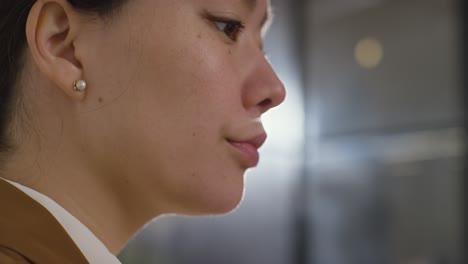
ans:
(365, 159)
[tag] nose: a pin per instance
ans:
(263, 89)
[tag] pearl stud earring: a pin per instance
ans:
(79, 85)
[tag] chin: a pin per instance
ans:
(226, 200)
(229, 205)
(217, 203)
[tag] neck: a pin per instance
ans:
(52, 157)
(105, 205)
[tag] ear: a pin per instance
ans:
(51, 32)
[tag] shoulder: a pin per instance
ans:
(29, 233)
(8, 256)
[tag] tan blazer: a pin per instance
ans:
(30, 234)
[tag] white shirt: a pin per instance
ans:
(91, 247)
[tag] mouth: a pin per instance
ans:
(248, 149)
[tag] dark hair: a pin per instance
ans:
(13, 17)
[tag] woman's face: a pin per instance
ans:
(176, 91)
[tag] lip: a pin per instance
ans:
(248, 149)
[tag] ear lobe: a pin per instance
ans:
(50, 32)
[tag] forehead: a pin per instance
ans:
(260, 9)
(247, 5)
(256, 11)
(251, 4)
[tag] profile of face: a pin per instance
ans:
(176, 89)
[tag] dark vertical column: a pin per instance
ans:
(302, 229)
(463, 29)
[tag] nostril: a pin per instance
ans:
(265, 104)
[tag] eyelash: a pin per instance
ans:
(232, 28)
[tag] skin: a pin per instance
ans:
(166, 89)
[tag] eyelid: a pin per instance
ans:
(227, 20)
(239, 23)
(216, 20)
(223, 16)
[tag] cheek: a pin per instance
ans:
(187, 77)
(186, 105)
(186, 97)
(188, 166)
(165, 105)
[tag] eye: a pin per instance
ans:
(232, 28)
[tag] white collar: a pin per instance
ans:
(91, 247)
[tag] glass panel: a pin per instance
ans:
(385, 165)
